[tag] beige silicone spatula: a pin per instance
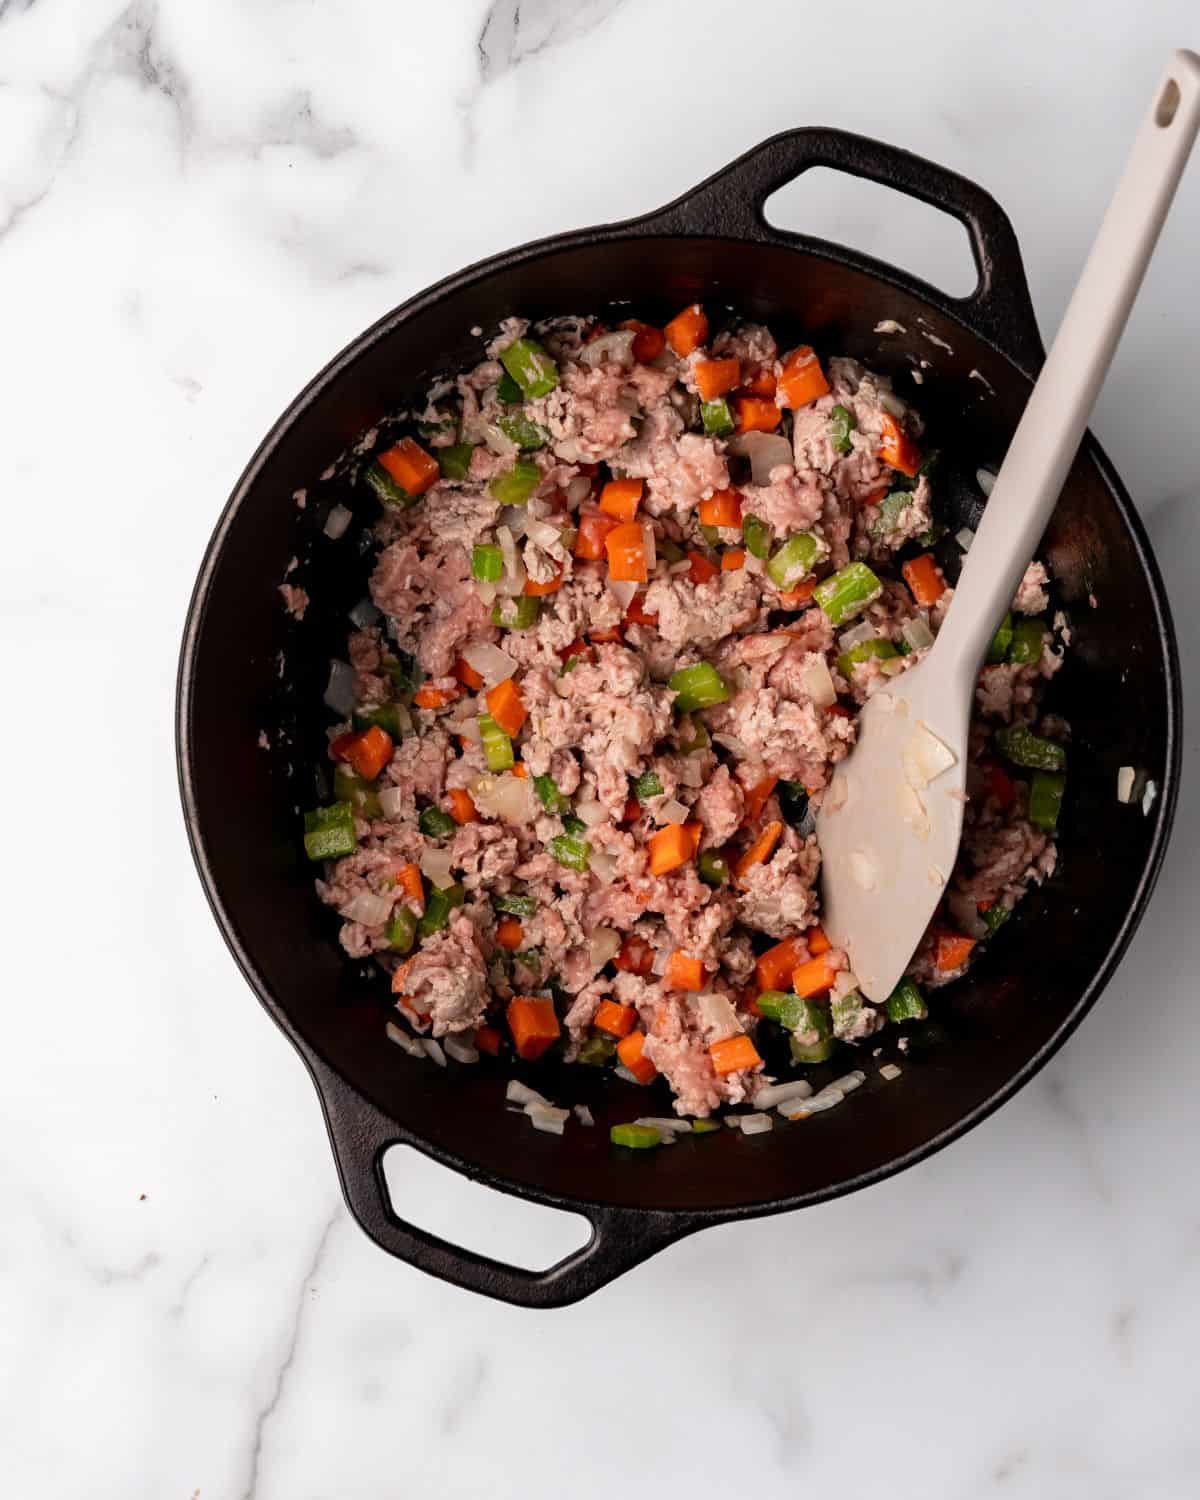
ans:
(891, 819)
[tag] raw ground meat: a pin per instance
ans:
(608, 766)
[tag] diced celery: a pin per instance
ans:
(361, 795)
(790, 1010)
(704, 1127)
(596, 1051)
(509, 391)
(516, 614)
(712, 868)
(520, 430)
(571, 850)
(710, 534)
(793, 561)
(487, 562)
(329, 831)
(548, 794)
(670, 551)
(515, 485)
(700, 686)
(811, 1052)
(1045, 799)
(497, 747)
(647, 785)
(716, 416)
(841, 425)
(844, 1011)
(847, 593)
(1001, 641)
(793, 801)
(401, 931)
(906, 1003)
(514, 905)
(996, 916)
(1028, 637)
(531, 367)
(438, 906)
(636, 1137)
(436, 824)
(876, 649)
(890, 508)
(385, 487)
(572, 824)
(385, 716)
(455, 461)
(1024, 748)
(693, 736)
(757, 535)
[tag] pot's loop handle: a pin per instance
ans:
(730, 203)
(361, 1134)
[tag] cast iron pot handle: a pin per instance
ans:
(360, 1134)
(730, 203)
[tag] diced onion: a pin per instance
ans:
(409, 1044)
(667, 1124)
(985, 479)
(368, 908)
(492, 664)
(435, 866)
(623, 1072)
(461, 1050)
(487, 593)
(592, 813)
(339, 691)
(394, 800)
(543, 533)
(363, 614)
(515, 517)
(578, 489)
(731, 743)
(603, 866)
(551, 1121)
(672, 811)
(434, 1049)
(756, 1124)
(892, 403)
(542, 1107)
(863, 631)
(691, 771)
(584, 1115)
(816, 681)
(469, 729)
(718, 1014)
(499, 442)
(779, 1093)
(604, 945)
(506, 797)
(520, 1093)
(513, 581)
(964, 538)
(917, 633)
(610, 348)
(622, 591)
(337, 521)
(889, 1071)
(1125, 779)
(765, 450)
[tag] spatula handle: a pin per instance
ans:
(1049, 433)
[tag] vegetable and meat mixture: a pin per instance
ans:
(631, 586)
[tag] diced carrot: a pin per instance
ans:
(687, 330)
(761, 849)
(649, 342)
(510, 934)
(630, 1051)
(626, 548)
(408, 878)
(636, 613)
(714, 377)
(462, 809)
(435, 697)
(761, 383)
(896, 448)
(999, 785)
(594, 527)
(701, 569)
(635, 957)
(756, 798)
(341, 747)
(632, 812)
(618, 1020)
(400, 975)
(813, 977)
(467, 674)
(877, 495)
(370, 752)
(684, 972)
(755, 414)
(722, 509)
(733, 560)
(802, 380)
(621, 498)
(951, 950)
(488, 1040)
(533, 1024)
(609, 637)
(817, 941)
(537, 590)
(774, 967)
(734, 1055)
(695, 831)
(505, 706)
(924, 578)
(669, 848)
(410, 466)
(798, 597)
(521, 771)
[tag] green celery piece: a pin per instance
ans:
(1001, 641)
(455, 461)
(515, 485)
(846, 593)
(514, 905)
(996, 916)
(436, 824)
(361, 795)
(529, 959)
(385, 716)
(531, 367)
(596, 1051)
(487, 562)
(516, 614)
(509, 391)
(844, 1011)
(671, 551)
(438, 906)
(573, 825)
(1028, 637)
(877, 648)
(841, 425)
(906, 1003)
(570, 850)
(329, 831)
(795, 1013)
(811, 1052)
(696, 687)
(636, 1137)
(520, 430)
(385, 487)
(890, 508)
(696, 739)
(717, 418)
(793, 561)
(405, 676)
(1024, 748)
(497, 747)
(933, 536)
(444, 423)
(757, 536)
(710, 534)
(401, 931)
(647, 785)
(793, 801)
(704, 1127)
(712, 868)
(549, 795)
(1045, 799)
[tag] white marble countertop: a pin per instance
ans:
(198, 205)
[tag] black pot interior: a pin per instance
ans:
(1041, 972)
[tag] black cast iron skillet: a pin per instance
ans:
(1120, 691)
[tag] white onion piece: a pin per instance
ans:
(506, 797)
(492, 664)
(368, 908)
(513, 581)
(718, 1014)
(578, 489)
(487, 594)
(964, 538)
(604, 944)
(756, 1124)
(622, 591)
(337, 521)
(339, 691)
(816, 681)
(409, 1044)
(610, 348)
(499, 442)
(665, 1124)
(592, 813)
(468, 728)
(889, 1072)
(603, 866)
(849, 1082)
(892, 403)
(460, 1050)
(691, 771)
(623, 1072)
(543, 533)
(731, 743)
(648, 543)
(986, 480)
(394, 800)
(1125, 779)
(434, 1049)
(765, 450)
(779, 1093)
(863, 631)
(551, 1111)
(542, 1119)
(515, 517)
(672, 811)
(917, 633)
(584, 1115)
(435, 866)
(363, 614)
(520, 1093)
